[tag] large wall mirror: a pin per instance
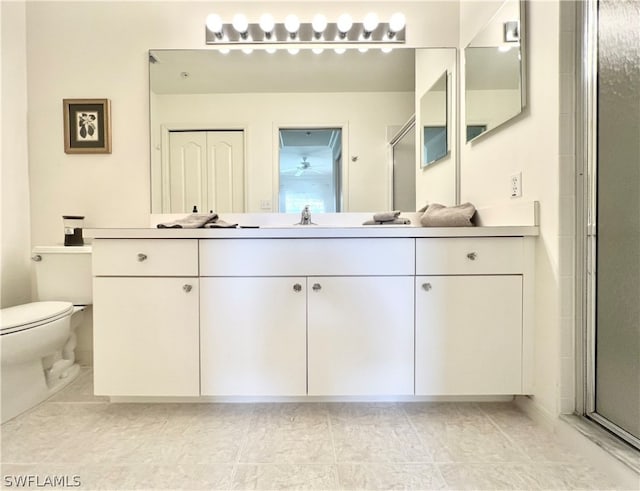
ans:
(200, 99)
(217, 123)
(495, 71)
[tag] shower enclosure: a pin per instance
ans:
(613, 224)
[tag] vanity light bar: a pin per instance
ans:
(387, 33)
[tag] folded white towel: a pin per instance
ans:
(220, 224)
(438, 215)
(386, 216)
(195, 220)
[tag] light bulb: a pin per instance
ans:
(293, 51)
(319, 23)
(267, 23)
(240, 23)
(271, 50)
(340, 50)
(397, 22)
(247, 51)
(370, 22)
(225, 51)
(214, 23)
(291, 24)
(344, 23)
(504, 48)
(386, 50)
(363, 50)
(317, 51)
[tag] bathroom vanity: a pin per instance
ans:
(331, 312)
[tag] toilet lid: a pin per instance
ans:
(32, 314)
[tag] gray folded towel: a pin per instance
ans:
(195, 220)
(386, 216)
(220, 224)
(397, 221)
(438, 215)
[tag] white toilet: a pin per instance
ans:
(38, 339)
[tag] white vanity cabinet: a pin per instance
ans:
(364, 312)
(253, 337)
(360, 335)
(352, 316)
(469, 316)
(146, 313)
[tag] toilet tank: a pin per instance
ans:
(63, 273)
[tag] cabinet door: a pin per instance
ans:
(468, 335)
(253, 336)
(360, 335)
(146, 336)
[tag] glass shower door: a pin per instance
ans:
(617, 294)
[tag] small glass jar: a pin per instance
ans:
(73, 230)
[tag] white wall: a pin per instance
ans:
(436, 183)
(15, 236)
(78, 49)
(365, 116)
(528, 144)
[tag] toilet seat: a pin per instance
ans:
(30, 315)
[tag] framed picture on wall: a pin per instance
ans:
(87, 125)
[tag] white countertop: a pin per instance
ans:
(309, 231)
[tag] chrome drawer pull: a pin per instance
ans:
(37, 258)
(472, 256)
(142, 257)
(297, 287)
(426, 287)
(317, 287)
(187, 288)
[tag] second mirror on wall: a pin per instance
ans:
(495, 72)
(435, 132)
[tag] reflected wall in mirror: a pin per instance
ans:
(257, 94)
(495, 71)
(433, 111)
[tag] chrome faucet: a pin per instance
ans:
(305, 217)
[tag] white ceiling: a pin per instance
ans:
(209, 71)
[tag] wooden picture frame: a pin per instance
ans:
(87, 125)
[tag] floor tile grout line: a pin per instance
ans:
(415, 430)
(333, 446)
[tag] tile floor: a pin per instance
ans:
(488, 446)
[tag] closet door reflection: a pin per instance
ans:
(617, 370)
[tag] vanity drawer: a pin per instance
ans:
(145, 257)
(481, 255)
(306, 257)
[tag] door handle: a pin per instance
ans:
(317, 287)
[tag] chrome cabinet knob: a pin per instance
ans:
(142, 257)
(472, 256)
(426, 287)
(297, 287)
(36, 257)
(317, 287)
(187, 288)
